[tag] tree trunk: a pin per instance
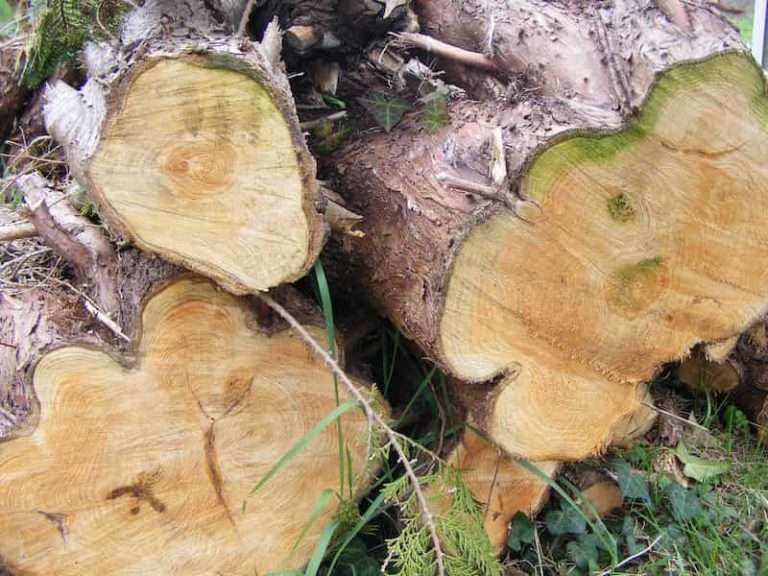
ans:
(188, 140)
(135, 453)
(567, 243)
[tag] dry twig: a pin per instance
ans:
(373, 416)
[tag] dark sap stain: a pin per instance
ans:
(141, 490)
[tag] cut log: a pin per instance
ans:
(499, 484)
(141, 463)
(566, 245)
(189, 142)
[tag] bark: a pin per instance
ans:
(566, 304)
(13, 93)
(163, 440)
(188, 141)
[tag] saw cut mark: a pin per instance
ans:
(147, 467)
(643, 249)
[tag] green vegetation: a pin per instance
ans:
(620, 208)
(700, 507)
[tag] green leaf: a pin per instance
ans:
(386, 110)
(630, 538)
(302, 443)
(697, 468)
(583, 551)
(685, 504)
(435, 115)
(521, 532)
(632, 484)
(320, 549)
(565, 521)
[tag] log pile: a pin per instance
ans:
(589, 209)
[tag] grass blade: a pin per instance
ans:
(369, 513)
(302, 443)
(321, 548)
(317, 509)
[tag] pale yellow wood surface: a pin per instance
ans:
(199, 164)
(499, 484)
(649, 241)
(144, 470)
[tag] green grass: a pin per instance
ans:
(718, 526)
(715, 527)
(744, 25)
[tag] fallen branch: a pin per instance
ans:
(310, 124)
(73, 238)
(373, 416)
(17, 231)
(445, 50)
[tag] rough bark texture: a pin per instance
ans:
(39, 319)
(12, 92)
(188, 140)
(586, 70)
(131, 458)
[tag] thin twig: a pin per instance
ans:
(372, 415)
(445, 50)
(242, 27)
(635, 556)
(676, 417)
(309, 124)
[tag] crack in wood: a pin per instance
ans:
(57, 519)
(214, 472)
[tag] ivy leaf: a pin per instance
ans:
(697, 468)
(584, 551)
(435, 115)
(566, 521)
(386, 110)
(685, 504)
(632, 484)
(630, 538)
(521, 532)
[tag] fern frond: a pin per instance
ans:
(62, 27)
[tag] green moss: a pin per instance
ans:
(628, 274)
(733, 69)
(620, 208)
(634, 284)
